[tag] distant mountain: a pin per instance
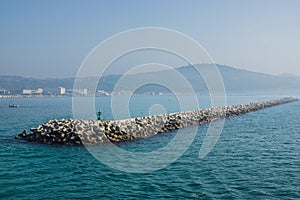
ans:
(243, 80)
(17, 83)
(235, 80)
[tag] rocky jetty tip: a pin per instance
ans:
(79, 132)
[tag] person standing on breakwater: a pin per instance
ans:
(99, 115)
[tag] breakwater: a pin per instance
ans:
(79, 132)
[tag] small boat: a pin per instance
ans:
(13, 106)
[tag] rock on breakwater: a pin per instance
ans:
(79, 132)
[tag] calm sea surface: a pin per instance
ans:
(257, 156)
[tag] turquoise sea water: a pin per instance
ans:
(256, 157)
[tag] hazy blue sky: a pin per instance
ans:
(51, 38)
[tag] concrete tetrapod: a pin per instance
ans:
(79, 132)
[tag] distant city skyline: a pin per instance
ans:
(44, 39)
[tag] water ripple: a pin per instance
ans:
(256, 157)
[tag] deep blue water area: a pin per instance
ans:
(256, 157)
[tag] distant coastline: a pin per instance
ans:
(68, 96)
(236, 82)
(147, 94)
(32, 96)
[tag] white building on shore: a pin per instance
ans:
(62, 90)
(39, 91)
(78, 91)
